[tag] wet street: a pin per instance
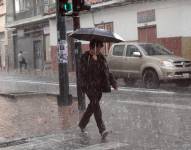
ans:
(153, 120)
(138, 118)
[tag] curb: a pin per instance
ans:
(21, 94)
(14, 142)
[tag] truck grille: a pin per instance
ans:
(182, 64)
(183, 72)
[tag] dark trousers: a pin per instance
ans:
(21, 63)
(93, 108)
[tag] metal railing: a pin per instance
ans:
(29, 12)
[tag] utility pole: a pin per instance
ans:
(76, 25)
(63, 97)
(63, 8)
(78, 5)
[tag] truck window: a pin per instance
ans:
(130, 50)
(118, 50)
(155, 49)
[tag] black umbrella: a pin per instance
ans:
(88, 34)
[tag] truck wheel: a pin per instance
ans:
(129, 81)
(183, 83)
(150, 79)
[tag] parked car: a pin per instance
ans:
(150, 62)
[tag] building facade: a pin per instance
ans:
(3, 35)
(30, 32)
(34, 31)
(162, 21)
(34, 28)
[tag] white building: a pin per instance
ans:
(164, 21)
(3, 34)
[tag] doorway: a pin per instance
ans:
(147, 34)
(38, 62)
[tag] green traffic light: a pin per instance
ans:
(67, 7)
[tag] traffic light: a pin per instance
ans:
(64, 7)
(80, 5)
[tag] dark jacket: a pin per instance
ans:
(95, 74)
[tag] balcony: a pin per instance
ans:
(29, 13)
(50, 9)
(96, 1)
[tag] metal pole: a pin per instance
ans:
(63, 98)
(80, 94)
(76, 25)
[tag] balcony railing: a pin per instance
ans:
(47, 9)
(96, 1)
(50, 9)
(29, 12)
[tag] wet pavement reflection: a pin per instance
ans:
(145, 121)
(34, 115)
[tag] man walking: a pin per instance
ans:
(21, 61)
(95, 78)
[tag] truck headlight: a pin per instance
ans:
(167, 64)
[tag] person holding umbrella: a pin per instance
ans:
(95, 79)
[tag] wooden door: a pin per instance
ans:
(147, 34)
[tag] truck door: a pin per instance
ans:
(132, 64)
(115, 60)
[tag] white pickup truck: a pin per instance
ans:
(152, 63)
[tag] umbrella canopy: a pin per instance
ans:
(88, 34)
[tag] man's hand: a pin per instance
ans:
(115, 87)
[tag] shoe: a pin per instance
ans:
(104, 134)
(83, 131)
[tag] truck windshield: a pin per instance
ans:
(155, 49)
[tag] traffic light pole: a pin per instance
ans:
(62, 7)
(63, 97)
(80, 94)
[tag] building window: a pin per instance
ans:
(146, 16)
(23, 5)
(118, 50)
(51, 6)
(52, 1)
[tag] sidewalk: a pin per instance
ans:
(68, 140)
(36, 122)
(38, 75)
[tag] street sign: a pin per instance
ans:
(63, 52)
